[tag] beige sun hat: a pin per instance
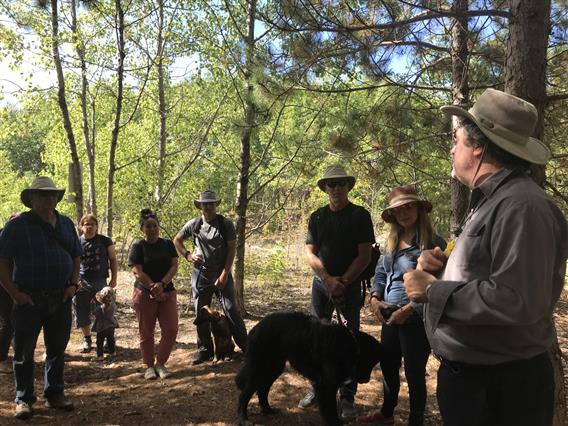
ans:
(335, 172)
(40, 183)
(400, 196)
(508, 121)
(207, 196)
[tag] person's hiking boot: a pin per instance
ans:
(87, 345)
(309, 400)
(376, 418)
(347, 410)
(59, 401)
(150, 374)
(162, 371)
(202, 357)
(23, 410)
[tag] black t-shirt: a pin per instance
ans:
(94, 260)
(156, 258)
(336, 235)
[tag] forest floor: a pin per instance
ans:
(113, 391)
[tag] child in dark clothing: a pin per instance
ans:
(105, 320)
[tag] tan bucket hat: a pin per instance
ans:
(40, 183)
(400, 196)
(508, 121)
(207, 196)
(335, 172)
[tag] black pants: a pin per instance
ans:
(406, 341)
(107, 334)
(6, 326)
(514, 393)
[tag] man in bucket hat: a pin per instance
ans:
(338, 247)
(214, 241)
(43, 248)
(490, 303)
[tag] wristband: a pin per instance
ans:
(374, 296)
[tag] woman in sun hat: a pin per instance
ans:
(402, 332)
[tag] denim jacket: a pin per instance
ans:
(388, 280)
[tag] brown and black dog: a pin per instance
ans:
(220, 328)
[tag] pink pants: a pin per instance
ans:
(147, 311)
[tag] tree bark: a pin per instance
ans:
(89, 145)
(460, 97)
(243, 180)
(65, 111)
(162, 107)
(119, 21)
(525, 77)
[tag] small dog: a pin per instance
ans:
(106, 295)
(327, 354)
(220, 328)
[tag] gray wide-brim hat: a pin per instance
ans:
(40, 183)
(207, 196)
(508, 122)
(335, 172)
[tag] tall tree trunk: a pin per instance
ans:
(89, 145)
(243, 180)
(119, 21)
(161, 101)
(525, 77)
(77, 178)
(460, 97)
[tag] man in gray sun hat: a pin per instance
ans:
(489, 304)
(338, 248)
(39, 268)
(214, 241)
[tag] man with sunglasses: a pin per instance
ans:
(42, 249)
(338, 247)
(214, 240)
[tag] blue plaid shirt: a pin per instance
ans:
(42, 256)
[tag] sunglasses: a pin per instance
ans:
(334, 183)
(403, 207)
(46, 193)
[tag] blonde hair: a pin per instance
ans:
(424, 231)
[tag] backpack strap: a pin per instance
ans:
(222, 229)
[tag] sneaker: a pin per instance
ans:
(59, 401)
(150, 374)
(5, 367)
(201, 358)
(309, 400)
(347, 409)
(376, 418)
(23, 411)
(87, 345)
(162, 371)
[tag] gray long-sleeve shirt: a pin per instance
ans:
(495, 299)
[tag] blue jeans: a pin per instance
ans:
(322, 309)
(54, 316)
(203, 290)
